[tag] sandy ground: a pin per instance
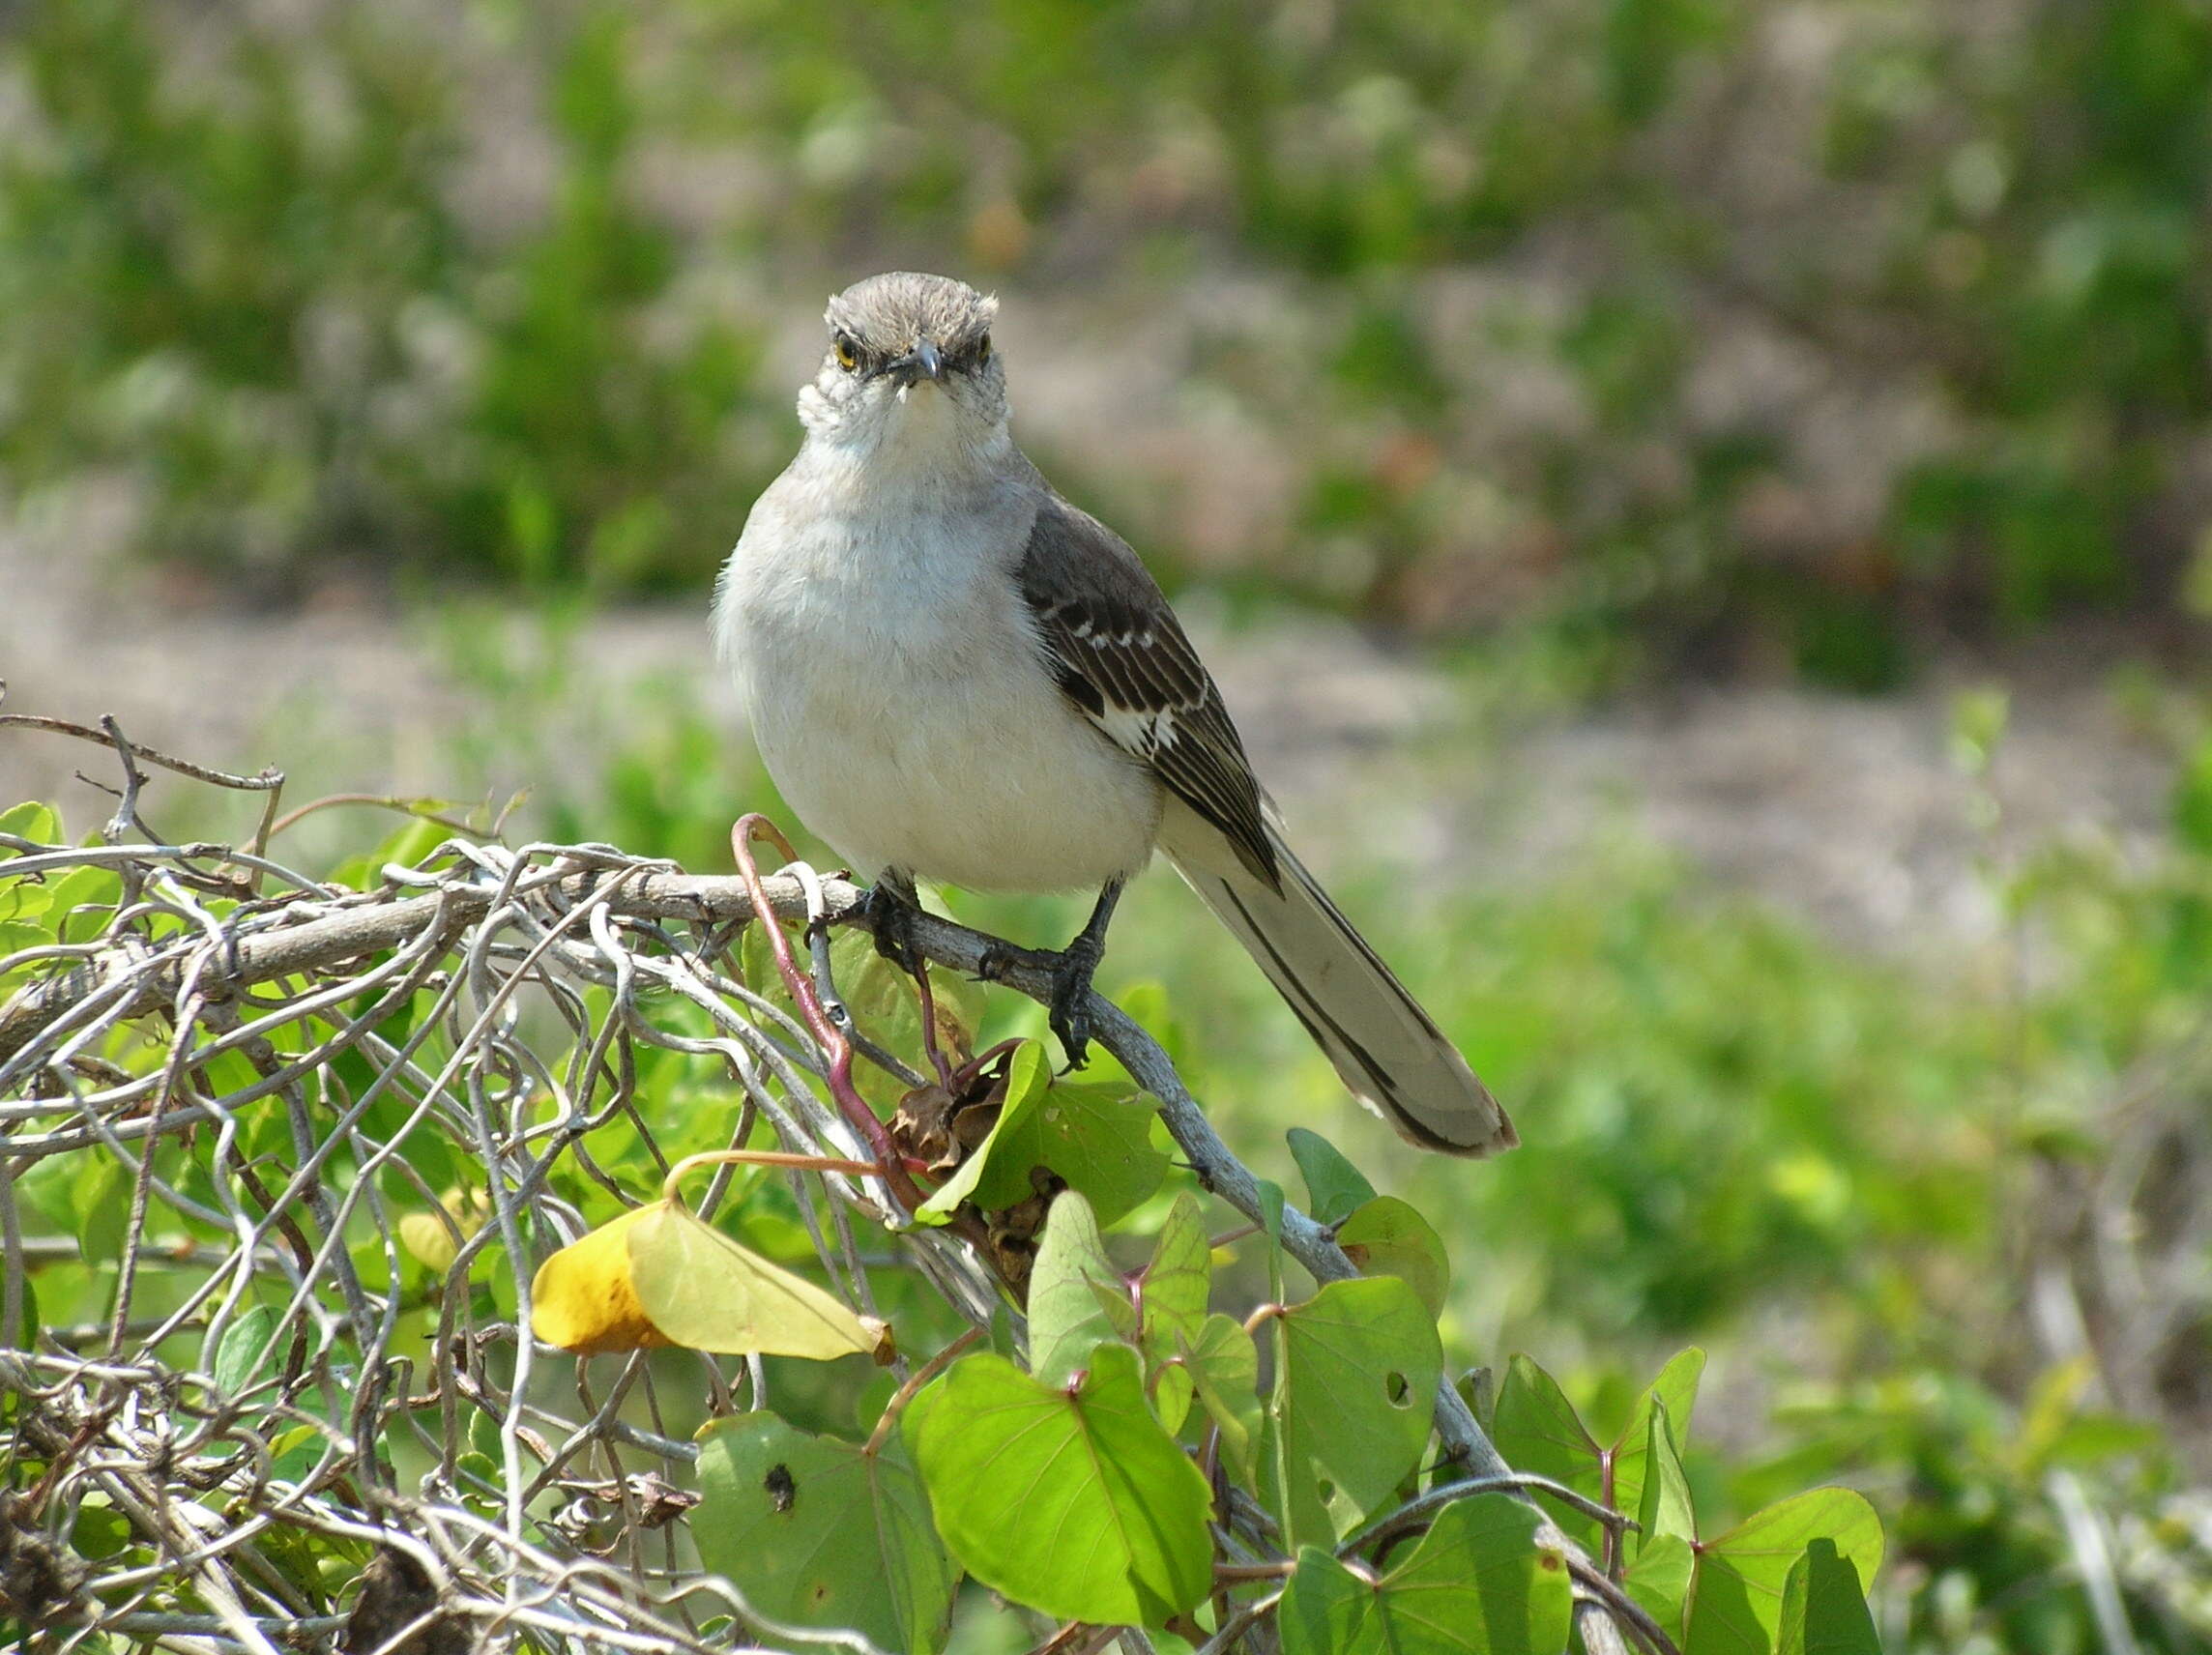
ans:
(1843, 809)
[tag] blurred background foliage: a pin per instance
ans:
(1723, 337)
(1757, 334)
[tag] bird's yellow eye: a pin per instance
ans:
(982, 350)
(848, 353)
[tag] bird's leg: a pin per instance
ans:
(1072, 970)
(892, 908)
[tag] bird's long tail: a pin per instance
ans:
(1389, 1051)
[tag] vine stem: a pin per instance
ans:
(890, 1167)
(761, 1158)
(905, 1394)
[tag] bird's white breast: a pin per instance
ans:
(897, 691)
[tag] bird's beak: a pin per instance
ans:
(920, 364)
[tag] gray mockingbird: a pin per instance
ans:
(954, 675)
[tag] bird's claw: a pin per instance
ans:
(890, 917)
(1070, 1014)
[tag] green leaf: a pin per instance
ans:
(1356, 1397)
(1224, 1366)
(1823, 1608)
(1272, 1206)
(884, 1003)
(1664, 1506)
(1170, 1302)
(1539, 1432)
(1676, 1387)
(1477, 1584)
(39, 823)
(100, 1209)
(238, 1359)
(820, 1533)
(1069, 1316)
(1097, 1138)
(1387, 1237)
(1660, 1580)
(25, 1336)
(1335, 1188)
(1735, 1600)
(24, 902)
(14, 938)
(1073, 1502)
(83, 903)
(1027, 1077)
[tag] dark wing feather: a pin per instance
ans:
(1122, 658)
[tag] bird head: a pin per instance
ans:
(908, 363)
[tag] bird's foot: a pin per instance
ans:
(891, 915)
(1070, 1009)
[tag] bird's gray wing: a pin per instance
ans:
(1120, 656)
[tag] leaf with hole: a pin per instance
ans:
(1354, 1401)
(1478, 1583)
(1335, 1188)
(1072, 1501)
(1386, 1237)
(816, 1532)
(657, 1275)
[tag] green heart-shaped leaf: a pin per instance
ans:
(1356, 1397)
(1539, 1433)
(1224, 1366)
(1335, 1188)
(1074, 1291)
(1735, 1600)
(816, 1532)
(1170, 1302)
(1824, 1609)
(1386, 1237)
(1071, 1500)
(1677, 1388)
(1477, 1584)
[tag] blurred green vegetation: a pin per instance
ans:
(1796, 330)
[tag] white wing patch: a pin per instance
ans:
(1135, 730)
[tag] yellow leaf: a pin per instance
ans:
(704, 1290)
(582, 1298)
(659, 1276)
